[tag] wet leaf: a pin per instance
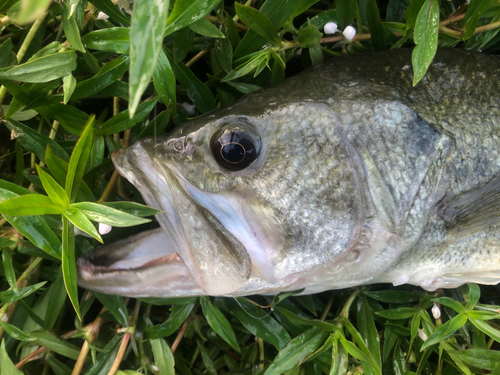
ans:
(71, 28)
(80, 220)
(399, 313)
(445, 331)
(69, 84)
(123, 121)
(11, 295)
(116, 306)
(164, 81)
(186, 12)
(367, 329)
(164, 358)
(42, 69)
(259, 23)
(178, 315)
(146, 35)
(426, 38)
(108, 215)
(68, 263)
(114, 39)
(297, 350)
(6, 365)
(206, 28)
(78, 161)
(219, 323)
(479, 358)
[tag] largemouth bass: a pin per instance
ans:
(340, 176)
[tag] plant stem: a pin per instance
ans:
(119, 355)
(92, 332)
(327, 307)
(345, 310)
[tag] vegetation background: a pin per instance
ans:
(83, 78)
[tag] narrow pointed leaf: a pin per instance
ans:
(164, 358)
(69, 265)
(164, 81)
(108, 215)
(219, 323)
(53, 189)
(69, 84)
(146, 36)
(186, 12)
(71, 28)
(32, 204)
(11, 295)
(258, 22)
(6, 365)
(115, 39)
(42, 69)
(81, 221)
(78, 161)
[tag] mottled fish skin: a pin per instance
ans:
(361, 178)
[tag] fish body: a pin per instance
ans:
(343, 175)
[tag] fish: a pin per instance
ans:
(341, 176)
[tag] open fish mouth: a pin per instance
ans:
(191, 254)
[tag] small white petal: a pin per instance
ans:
(422, 334)
(189, 108)
(349, 32)
(436, 311)
(330, 28)
(102, 16)
(104, 228)
(401, 279)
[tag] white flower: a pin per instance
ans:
(104, 228)
(349, 32)
(330, 28)
(436, 311)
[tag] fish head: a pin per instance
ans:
(255, 199)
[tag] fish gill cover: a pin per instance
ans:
(82, 79)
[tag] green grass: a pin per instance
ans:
(62, 63)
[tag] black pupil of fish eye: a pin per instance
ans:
(233, 152)
(234, 149)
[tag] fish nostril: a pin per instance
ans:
(178, 145)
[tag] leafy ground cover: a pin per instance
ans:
(81, 79)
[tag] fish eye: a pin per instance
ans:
(235, 149)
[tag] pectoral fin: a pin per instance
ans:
(473, 211)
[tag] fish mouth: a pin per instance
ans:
(191, 254)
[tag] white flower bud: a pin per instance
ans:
(436, 311)
(349, 32)
(422, 334)
(104, 228)
(330, 28)
(101, 16)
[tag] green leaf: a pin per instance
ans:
(116, 306)
(219, 323)
(7, 57)
(446, 301)
(479, 358)
(200, 94)
(6, 365)
(367, 329)
(375, 26)
(393, 296)
(259, 23)
(146, 36)
(15, 332)
(187, 12)
(178, 315)
(258, 322)
(206, 28)
(108, 215)
(346, 11)
(114, 39)
(31, 10)
(108, 74)
(278, 12)
(486, 328)
(425, 37)
(339, 359)
(132, 208)
(69, 265)
(105, 358)
(164, 358)
(297, 350)
(445, 331)
(80, 220)
(69, 84)
(474, 11)
(399, 313)
(474, 295)
(78, 161)
(164, 81)
(55, 192)
(123, 121)
(32, 204)
(42, 69)
(35, 142)
(309, 36)
(55, 344)
(8, 268)
(112, 10)
(11, 295)
(71, 29)
(34, 228)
